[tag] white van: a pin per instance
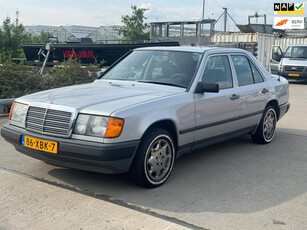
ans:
(292, 64)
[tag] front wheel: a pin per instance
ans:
(267, 127)
(154, 159)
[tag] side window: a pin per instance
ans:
(218, 71)
(256, 74)
(243, 70)
(276, 53)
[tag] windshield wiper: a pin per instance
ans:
(161, 83)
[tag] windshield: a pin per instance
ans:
(296, 52)
(158, 67)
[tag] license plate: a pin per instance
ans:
(294, 75)
(39, 144)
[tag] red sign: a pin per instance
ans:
(78, 54)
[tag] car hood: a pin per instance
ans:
(295, 61)
(100, 97)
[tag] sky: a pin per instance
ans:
(109, 12)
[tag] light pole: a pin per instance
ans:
(203, 17)
(225, 19)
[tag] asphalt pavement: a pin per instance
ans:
(231, 185)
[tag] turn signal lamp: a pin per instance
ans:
(114, 127)
(10, 115)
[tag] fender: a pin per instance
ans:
(178, 108)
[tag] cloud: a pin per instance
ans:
(238, 9)
(106, 12)
(171, 13)
(146, 6)
(75, 14)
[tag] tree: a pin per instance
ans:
(42, 38)
(134, 26)
(11, 38)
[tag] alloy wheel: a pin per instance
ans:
(159, 159)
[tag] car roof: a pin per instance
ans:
(190, 49)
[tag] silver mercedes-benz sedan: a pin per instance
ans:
(151, 107)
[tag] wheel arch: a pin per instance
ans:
(275, 105)
(168, 125)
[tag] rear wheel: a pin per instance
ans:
(267, 127)
(154, 160)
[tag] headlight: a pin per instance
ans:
(98, 126)
(18, 114)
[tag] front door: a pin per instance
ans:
(216, 113)
(276, 56)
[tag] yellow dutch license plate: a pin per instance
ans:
(294, 75)
(39, 144)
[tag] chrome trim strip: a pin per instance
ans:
(218, 123)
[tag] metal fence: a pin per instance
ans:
(5, 102)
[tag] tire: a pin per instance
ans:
(154, 159)
(267, 127)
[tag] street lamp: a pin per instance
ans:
(203, 17)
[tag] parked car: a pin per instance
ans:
(153, 106)
(292, 64)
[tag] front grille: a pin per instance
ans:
(48, 121)
(297, 69)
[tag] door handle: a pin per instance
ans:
(264, 91)
(234, 97)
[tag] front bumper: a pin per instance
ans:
(84, 155)
(285, 74)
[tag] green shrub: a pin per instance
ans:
(19, 79)
(71, 72)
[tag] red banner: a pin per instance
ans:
(78, 54)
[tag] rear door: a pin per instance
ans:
(252, 88)
(276, 56)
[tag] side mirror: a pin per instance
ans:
(203, 87)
